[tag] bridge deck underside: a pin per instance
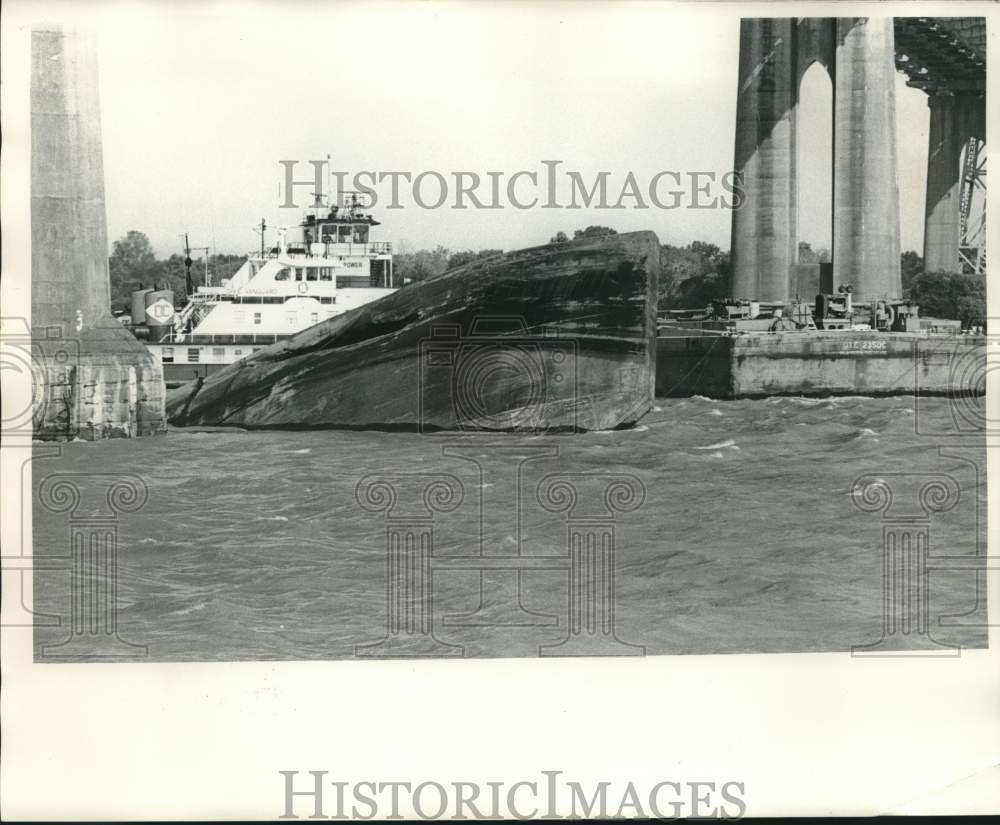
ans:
(942, 54)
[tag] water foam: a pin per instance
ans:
(728, 444)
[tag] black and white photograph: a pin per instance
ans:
(426, 346)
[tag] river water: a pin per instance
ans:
(736, 528)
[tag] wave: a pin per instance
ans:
(728, 444)
(855, 435)
(841, 399)
(184, 611)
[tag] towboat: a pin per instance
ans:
(334, 266)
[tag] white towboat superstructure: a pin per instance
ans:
(334, 267)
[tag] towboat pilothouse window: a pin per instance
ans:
(360, 233)
(282, 275)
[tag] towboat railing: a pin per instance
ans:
(330, 250)
(192, 340)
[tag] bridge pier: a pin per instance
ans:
(943, 56)
(859, 54)
(955, 119)
(865, 188)
(765, 231)
(93, 379)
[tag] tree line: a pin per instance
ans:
(692, 275)
(134, 265)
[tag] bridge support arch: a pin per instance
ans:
(859, 55)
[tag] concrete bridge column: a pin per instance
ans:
(765, 236)
(954, 120)
(99, 381)
(865, 188)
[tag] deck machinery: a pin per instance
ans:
(829, 311)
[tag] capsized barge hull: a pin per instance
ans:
(561, 336)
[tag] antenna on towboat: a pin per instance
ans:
(189, 286)
(260, 231)
(188, 249)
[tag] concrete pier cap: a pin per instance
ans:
(97, 380)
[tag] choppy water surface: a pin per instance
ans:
(253, 545)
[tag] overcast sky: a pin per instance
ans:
(201, 101)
